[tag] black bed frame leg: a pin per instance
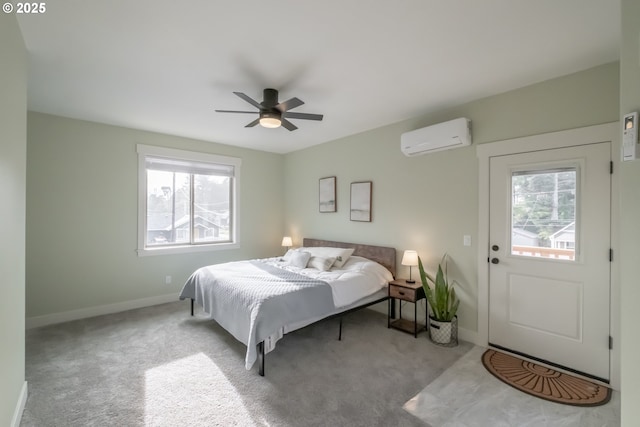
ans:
(261, 358)
(192, 306)
(340, 333)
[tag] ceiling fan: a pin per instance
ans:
(273, 114)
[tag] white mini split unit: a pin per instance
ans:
(442, 136)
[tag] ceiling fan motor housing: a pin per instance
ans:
(270, 98)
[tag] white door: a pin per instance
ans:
(549, 271)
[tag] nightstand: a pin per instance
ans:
(410, 292)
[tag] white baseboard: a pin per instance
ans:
(22, 401)
(82, 313)
(469, 336)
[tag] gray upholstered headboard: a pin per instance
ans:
(380, 254)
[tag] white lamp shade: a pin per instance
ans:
(287, 242)
(410, 258)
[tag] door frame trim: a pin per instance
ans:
(608, 132)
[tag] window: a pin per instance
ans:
(188, 201)
(543, 213)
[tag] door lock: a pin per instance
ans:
(495, 248)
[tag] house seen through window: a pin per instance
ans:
(189, 198)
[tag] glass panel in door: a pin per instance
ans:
(543, 213)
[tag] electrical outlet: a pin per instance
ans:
(466, 240)
(167, 280)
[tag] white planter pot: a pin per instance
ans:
(440, 331)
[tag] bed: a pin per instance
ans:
(259, 301)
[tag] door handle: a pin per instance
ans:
(495, 261)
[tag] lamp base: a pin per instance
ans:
(410, 281)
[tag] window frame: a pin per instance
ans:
(145, 151)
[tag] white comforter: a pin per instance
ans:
(358, 278)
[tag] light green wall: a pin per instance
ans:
(82, 201)
(629, 214)
(13, 159)
(428, 203)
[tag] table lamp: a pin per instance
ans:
(410, 258)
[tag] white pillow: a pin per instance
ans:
(298, 258)
(341, 255)
(289, 253)
(321, 263)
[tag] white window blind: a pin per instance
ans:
(188, 166)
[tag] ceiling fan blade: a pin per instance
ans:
(289, 104)
(234, 111)
(288, 125)
(253, 123)
(249, 100)
(305, 116)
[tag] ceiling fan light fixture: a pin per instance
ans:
(273, 114)
(270, 120)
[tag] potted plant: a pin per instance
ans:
(443, 302)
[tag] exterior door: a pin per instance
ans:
(549, 271)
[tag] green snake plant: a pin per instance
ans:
(442, 298)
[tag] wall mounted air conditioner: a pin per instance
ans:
(442, 136)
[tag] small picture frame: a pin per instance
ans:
(361, 201)
(327, 194)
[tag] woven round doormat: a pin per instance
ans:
(544, 382)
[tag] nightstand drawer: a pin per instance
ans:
(406, 294)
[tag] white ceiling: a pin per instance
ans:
(164, 66)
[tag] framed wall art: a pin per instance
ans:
(361, 201)
(327, 194)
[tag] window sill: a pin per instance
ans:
(174, 250)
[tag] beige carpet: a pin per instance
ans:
(466, 395)
(158, 366)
